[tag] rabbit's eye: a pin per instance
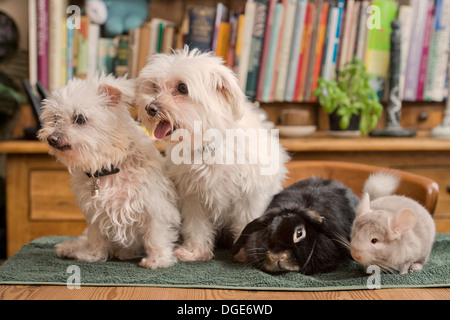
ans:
(299, 234)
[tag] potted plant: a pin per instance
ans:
(350, 96)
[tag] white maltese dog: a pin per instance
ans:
(117, 174)
(225, 165)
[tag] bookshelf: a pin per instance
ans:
(278, 48)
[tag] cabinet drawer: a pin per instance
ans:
(51, 197)
(442, 178)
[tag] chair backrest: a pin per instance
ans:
(354, 175)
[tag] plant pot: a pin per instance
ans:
(352, 130)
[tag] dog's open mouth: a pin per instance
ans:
(163, 129)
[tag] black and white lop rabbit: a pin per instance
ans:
(306, 228)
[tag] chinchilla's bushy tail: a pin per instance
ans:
(381, 184)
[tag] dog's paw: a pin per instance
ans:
(65, 250)
(155, 262)
(415, 267)
(184, 254)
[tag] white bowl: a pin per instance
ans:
(296, 131)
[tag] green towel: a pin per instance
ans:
(36, 263)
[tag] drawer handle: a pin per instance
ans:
(448, 188)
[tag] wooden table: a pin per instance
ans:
(29, 167)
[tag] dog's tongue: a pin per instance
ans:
(162, 129)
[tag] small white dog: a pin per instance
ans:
(117, 174)
(225, 165)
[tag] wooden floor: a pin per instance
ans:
(146, 293)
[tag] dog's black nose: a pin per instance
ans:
(152, 109)
(53, 139)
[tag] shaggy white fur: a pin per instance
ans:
(225, 165)
(89, 129)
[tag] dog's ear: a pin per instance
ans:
(229, 88)
(114, 95)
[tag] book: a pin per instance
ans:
(238, 55)
(438, 57)
(347, 29)
(106, 55)
(272, 54)
(70, 53)
(168, 39)
(378, 44)
(56, 13)
(328, 67)
(285, 49)
(304, 53)
(221, 15)
(223, 39)
(405, 17)
(133, 52)
(361, 41)
(245, 43)
(32, 43)
(201, 27)
(259, 27)
(420, 8)
(294, 54)
(265, 49)
(425, 47)
(42, 42)
(319, 52)
(144, 45)
(93, 37)
(82, 49)
(121, 61)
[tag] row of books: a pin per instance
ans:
(278, 48)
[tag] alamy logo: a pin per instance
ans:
(374, 281)
(238, 146)
(73, 21)
(74, 280)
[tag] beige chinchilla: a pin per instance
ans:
(393, 232)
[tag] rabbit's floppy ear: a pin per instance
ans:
(255, 225)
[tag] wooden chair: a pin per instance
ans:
(353, 175)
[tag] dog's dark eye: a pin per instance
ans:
(374, 240)
(182, 88)
(79, 119)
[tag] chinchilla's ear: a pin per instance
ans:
(403, 221)
(238, 249)
(364, 205)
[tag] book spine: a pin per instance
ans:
(82, 65)
(272, 53)
(294, 54)
(378, 45)
(436, 74)
(94, 34)
(238, 50)
(121, 67)
(330, 44)
(304, 54)
(223, 38)
(346, 33)
(42, 42)
(405, 13)
(256, 48)
(32, 43)
(285, 48)
(425, 49)
(249, 16)
(201, 27)
(415, 50)
(265, 48)
(54, 43)
(319, 50)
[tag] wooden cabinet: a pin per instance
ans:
(40, 201)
